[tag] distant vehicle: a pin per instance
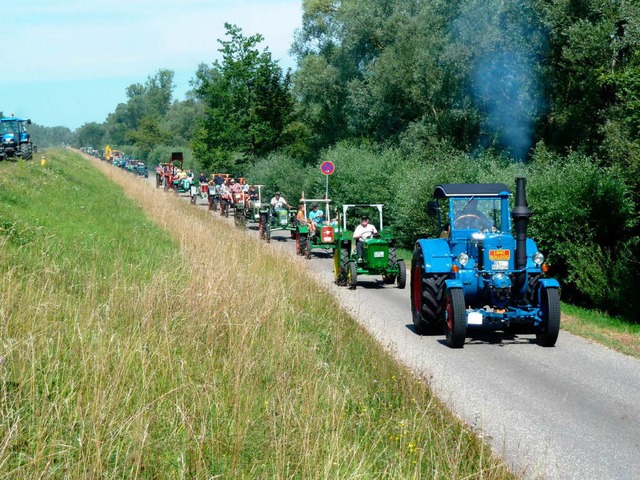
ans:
(15, 140)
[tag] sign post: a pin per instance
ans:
(327, 168)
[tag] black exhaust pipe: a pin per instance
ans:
(520, 215)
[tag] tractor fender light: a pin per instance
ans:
(455, 268)
(463, 259)
(545, 268)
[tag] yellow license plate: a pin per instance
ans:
(495, 255)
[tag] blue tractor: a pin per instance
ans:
(483, 272)
(15, 140)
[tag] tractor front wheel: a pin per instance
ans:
(548, 330)
(402, 274)
(455, 318)
(352, 275)
(25, 151)
(427, 296)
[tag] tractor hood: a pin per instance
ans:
(8, 138)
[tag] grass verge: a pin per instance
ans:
(609, 331)
(142, 339)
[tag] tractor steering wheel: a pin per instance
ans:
(468, 220)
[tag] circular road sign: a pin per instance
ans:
(327, 168)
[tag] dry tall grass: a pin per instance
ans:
(228, 362)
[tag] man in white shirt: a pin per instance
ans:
(278, 202)
(362, 232)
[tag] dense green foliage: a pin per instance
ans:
(583, 221)
(247, 104)
(404, 94)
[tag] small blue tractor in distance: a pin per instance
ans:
(482, 273)
(15, 140)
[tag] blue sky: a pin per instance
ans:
(72, 60)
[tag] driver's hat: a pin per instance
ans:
(277, 193)
(314, 205)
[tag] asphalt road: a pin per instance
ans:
(568, 412)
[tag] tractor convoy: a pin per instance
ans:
(482, 273)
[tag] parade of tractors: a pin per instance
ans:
(481, 273)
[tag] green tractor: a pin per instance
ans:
(378, 254)
(324, 236)
(274, 219)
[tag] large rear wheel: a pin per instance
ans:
(549, 329)
(393, 260)
(402, 274)
(427, 296)
(455, 318)
(352, 275)
(340, 261)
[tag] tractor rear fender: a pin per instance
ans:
(437, 255)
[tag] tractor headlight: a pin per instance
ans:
(538, 258)
(463, 259)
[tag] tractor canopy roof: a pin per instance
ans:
(14, 119)
(447, 190)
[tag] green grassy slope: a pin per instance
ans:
(139, 338)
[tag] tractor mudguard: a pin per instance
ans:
(546, 283)
(437, 255)
(549, 283)
(453, 283)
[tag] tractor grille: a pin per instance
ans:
(377, 254)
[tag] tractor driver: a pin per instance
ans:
(472, 217)
(363, 232)
(278, 202)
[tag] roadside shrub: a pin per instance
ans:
(583, 214)
(280, 172)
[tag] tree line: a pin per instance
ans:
(403, 94)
